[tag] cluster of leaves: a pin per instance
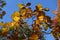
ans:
(56, 26)
(2, 4)
(19, 29)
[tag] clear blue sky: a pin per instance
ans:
(11, 6)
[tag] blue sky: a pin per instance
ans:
(11, 6)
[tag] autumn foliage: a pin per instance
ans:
(19, 29)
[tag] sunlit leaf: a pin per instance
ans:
(39, 6)
(21, 5)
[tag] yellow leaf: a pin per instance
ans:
(37, 21)
(41, 18)
(20, 5)
(2, 24)
(5, 30)
(40, 7)
(23, 12)
(16, 16)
